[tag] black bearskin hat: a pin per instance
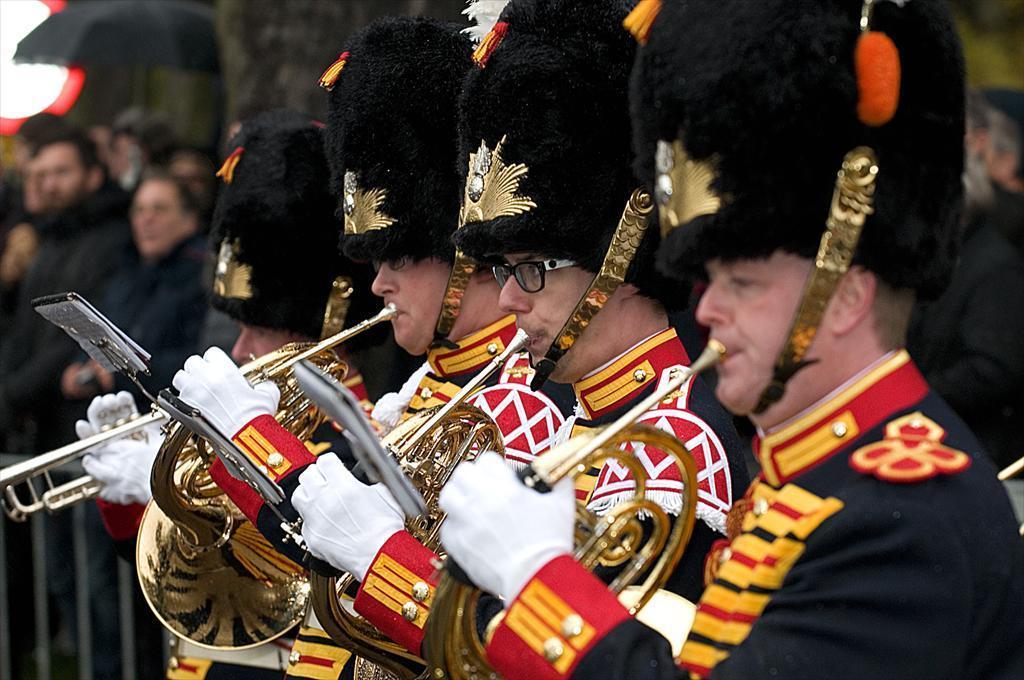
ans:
(391, 138)
(275, 233)
(550, 89)
(771, 95)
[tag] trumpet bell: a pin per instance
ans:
(214, 580)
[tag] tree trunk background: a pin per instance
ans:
(273, 51)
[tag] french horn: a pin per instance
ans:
(207, 574)
(643, 561)
(428, 446)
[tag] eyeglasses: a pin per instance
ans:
(394, 264)
(529, 275)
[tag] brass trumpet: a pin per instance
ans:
(428, 446)
(208, 575)
(1009, 472)
(57, 497)
(614, 539)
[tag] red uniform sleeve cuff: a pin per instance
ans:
(561, 613)
(240, 493)
(398, 590)
(268, 444)
(121, 521)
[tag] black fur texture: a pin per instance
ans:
(279, 208)
(768, 91)
(557, 88)
(392, 120)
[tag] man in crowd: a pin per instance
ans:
(877, 542)
(82, 231)
(156, 294)
(967, 341)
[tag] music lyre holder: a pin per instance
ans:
(238, 465)
(341, 406)
(109, 346)
(116, 351)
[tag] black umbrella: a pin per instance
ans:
(172, 33)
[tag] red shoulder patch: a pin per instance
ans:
(911, 452)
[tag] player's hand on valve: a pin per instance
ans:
(344, 522)
(214, 385)
(501, 532)
(122, 465)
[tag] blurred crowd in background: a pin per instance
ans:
(118, 211)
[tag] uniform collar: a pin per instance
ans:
(473, 351)
(890, 384)
(622, 379)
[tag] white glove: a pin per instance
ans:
(104, 412)
(122, 465)
(214, 385)
(501, 532)
(344, 522)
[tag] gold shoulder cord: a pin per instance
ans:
(491, 191)
(625, 242)
(852, 202)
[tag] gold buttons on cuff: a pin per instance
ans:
(572, 625)
(275, 460)
(553, 649)
(426, 393)
(420, 591)
(172, 663)
(293, 658)
(410, 611)
(492, 348)
(639, 375)
(839, 429)
(724, 556)
(760, 507)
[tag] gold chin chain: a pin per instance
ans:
(625, 242)
(336, 309)
(852, 202)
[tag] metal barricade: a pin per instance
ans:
(41, 537)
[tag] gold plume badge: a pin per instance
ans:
(682, 187)
(232, 279)
(362, 207)
(491, 187)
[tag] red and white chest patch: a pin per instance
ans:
(714, 483)
(528, 420)
(665, 486)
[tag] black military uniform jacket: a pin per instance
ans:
(877, 544)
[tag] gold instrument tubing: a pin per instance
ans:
(548, 468)
(1012, 470)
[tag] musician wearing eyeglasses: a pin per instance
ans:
(398, 197)
(613, 357)
(818, 196)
